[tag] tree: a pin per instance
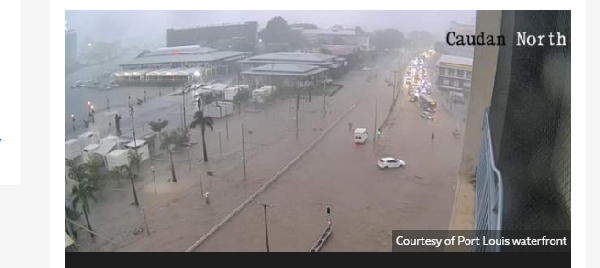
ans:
(421, 38)
(204, 122)
(326, 51)
(125, 171)
(82, 193)
(95, 172)
(359, 31)
(77, 173)
(278, 31)
(71, 215)
(387, 39)
(157, 126)
(135, 159)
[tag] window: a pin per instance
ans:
(455, 83)
(446, 82)
(451, 72)
(460, 73)
(468, 74)
(467, 84)
(391, 161)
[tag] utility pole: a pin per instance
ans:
(184, 121)
(227, 127)
(201, 187)
(324, 87)
(220, 148)
(145, 222)
(394, 91)
(265, 206)
(153, 177)
(375, 125)
(190, 156)
(243, 151)
(297, 109)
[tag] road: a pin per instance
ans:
(366, 203)
(178, 216)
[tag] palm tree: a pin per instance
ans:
(135, 159)
(199, 119)
(126, 171)
(82, 193)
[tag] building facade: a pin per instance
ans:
(285, 75)
(454, 74)
(178, 65)
(233, 36)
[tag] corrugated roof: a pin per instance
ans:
(291, 56)
(180, 58)
(285, 70)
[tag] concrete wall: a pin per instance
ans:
(482, 84)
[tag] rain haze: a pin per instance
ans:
(235, 120)
(122, 25)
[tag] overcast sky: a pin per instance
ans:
(124, 25)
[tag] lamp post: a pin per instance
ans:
(73, 119)
(265, 206)
(153, 177)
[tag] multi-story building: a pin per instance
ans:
(454, 75)
(231, 36)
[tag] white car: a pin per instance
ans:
(389, 162)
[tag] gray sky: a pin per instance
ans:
(124, 25)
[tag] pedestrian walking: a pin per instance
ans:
(349, 126)
(432, 137)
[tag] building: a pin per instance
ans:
(178, 65)
(336, 66)
(348, 37)
(70, 47)
(454, 75)
(518, 135)
(285, 75)
(231, 36)
(461, 51)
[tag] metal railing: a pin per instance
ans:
(489, 198)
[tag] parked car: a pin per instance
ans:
(413, 98)
(388, 162)
(427, 115)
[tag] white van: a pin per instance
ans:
(360, 135)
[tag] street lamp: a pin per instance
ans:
(73, 119)
(265, 206)
(153, 177)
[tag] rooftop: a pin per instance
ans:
(181, 58)
(329, 32)
(285, 70)
(455, 60)
(291, 57)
